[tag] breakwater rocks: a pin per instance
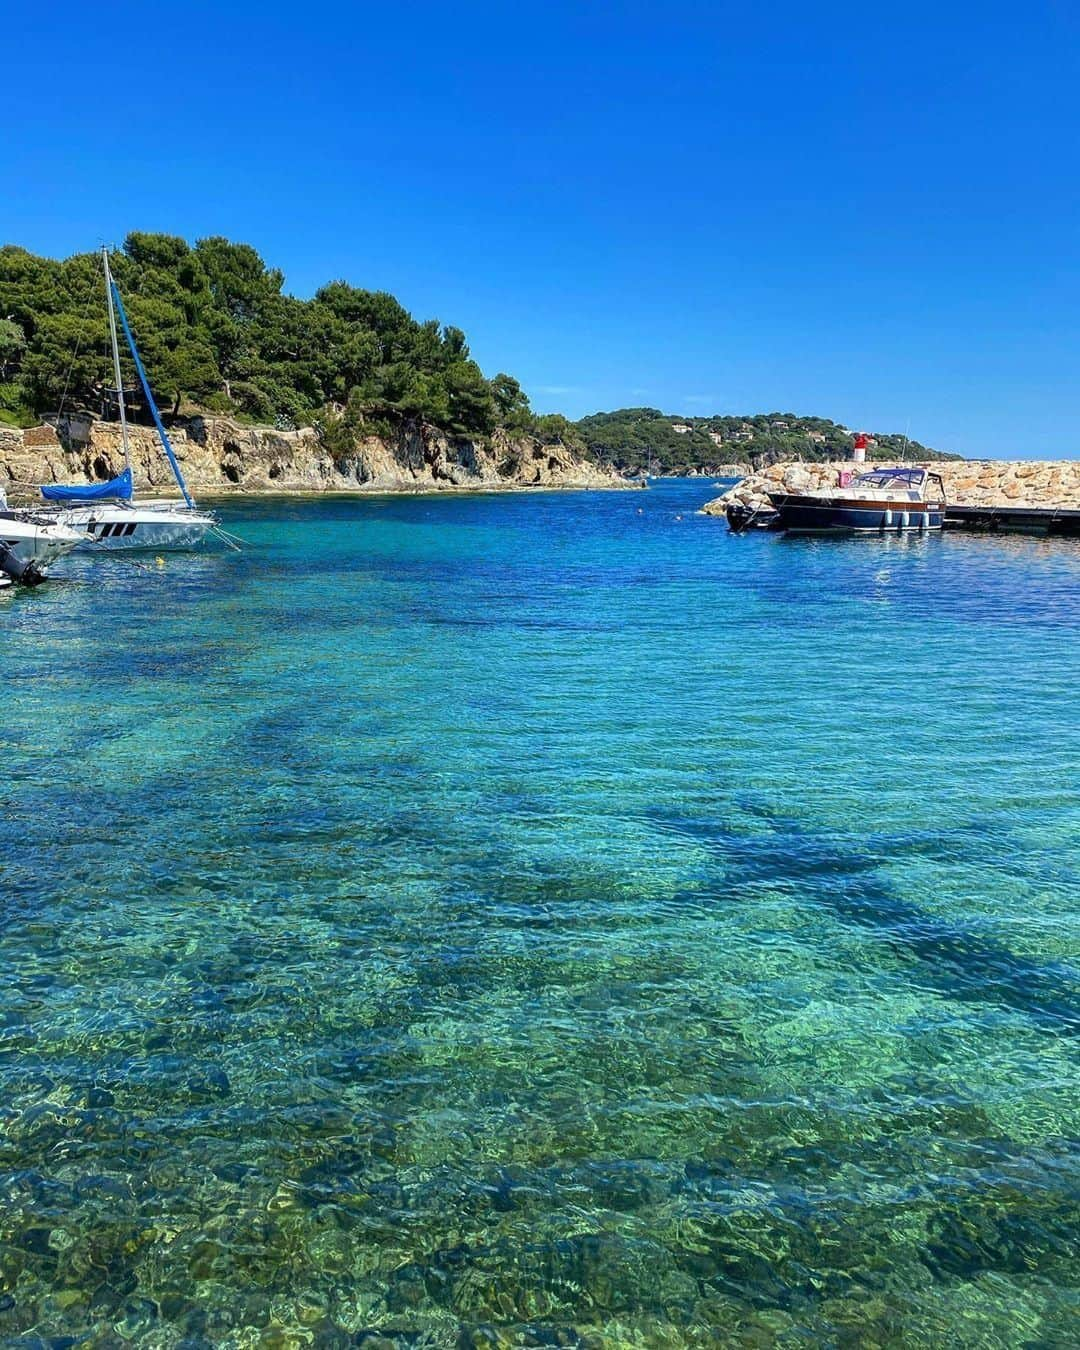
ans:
(219, 455)
(1046, 484)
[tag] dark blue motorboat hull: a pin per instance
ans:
(823, 515)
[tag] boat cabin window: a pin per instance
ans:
(892, 478)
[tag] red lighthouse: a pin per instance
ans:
(860, 447)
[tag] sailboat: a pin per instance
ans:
(108, 513)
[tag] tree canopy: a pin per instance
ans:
(217, 332)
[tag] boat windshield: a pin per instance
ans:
(892, 478)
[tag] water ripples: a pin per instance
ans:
(544, 924)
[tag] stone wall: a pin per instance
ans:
(219, 455)
(989, 482)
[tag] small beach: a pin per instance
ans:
(542, 918)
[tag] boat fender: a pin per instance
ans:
(905, 520)
(922, 521)
(886, 520)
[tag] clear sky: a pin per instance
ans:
(866, 211)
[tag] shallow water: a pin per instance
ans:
(542, 919)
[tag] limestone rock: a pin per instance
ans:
(218, 455)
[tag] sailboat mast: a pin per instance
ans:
(116, 359)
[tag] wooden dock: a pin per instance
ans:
(1014, 519)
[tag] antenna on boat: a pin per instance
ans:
(116, 357)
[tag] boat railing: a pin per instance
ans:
(937, 478)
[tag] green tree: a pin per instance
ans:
(216, 331)
(471, 404)
(511, 403)
(555, 429)
(12, 347)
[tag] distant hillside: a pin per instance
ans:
(634, 440)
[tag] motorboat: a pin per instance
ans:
(30, 542)
(882, 500)
(743, 516)
(107, 514)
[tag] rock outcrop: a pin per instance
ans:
(218, 455)
(1047, 483)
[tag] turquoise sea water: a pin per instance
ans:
(542, 920)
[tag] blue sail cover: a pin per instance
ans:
(90, 492)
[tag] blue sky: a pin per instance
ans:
(864, 211)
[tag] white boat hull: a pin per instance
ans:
(31, 540)
(115, 528)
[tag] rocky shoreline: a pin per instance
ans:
(1041, 484)
(220, 456)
